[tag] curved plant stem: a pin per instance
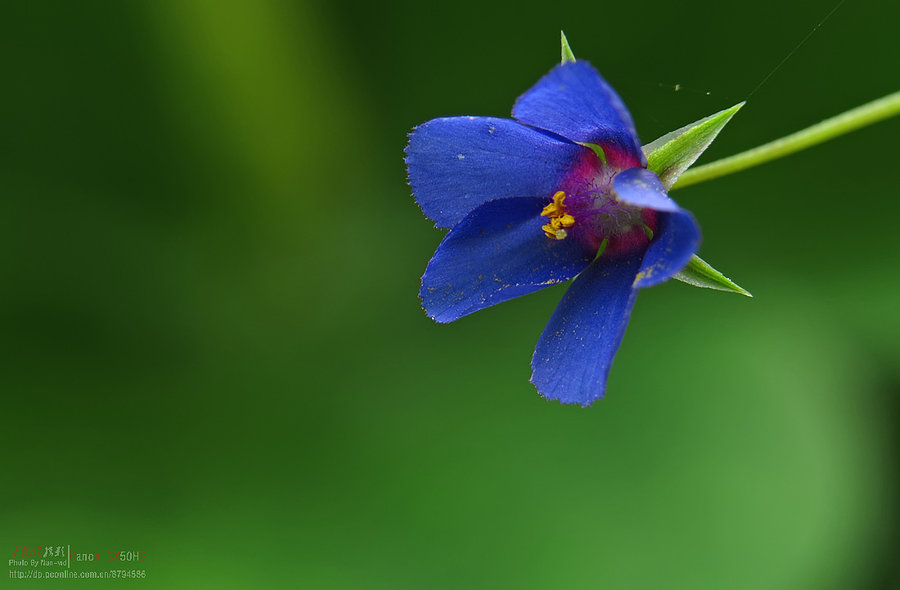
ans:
(869, 113)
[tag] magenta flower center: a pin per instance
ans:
(587, 209)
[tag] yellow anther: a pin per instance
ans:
(557, 207)
(555, 233)
(550, 210)
(559, 219)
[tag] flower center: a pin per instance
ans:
(609, 217)
(594, 216)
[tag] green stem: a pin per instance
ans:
(869, 113)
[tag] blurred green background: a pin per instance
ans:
(213, 351)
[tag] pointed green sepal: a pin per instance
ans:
(673, 153)
(597, 150)
(567, 55)
(700, 274)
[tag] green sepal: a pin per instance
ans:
(700, 274)
(673, 153)
(567, 55)
(597, 150)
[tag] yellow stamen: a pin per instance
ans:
(555, 233)
(550, 210)
(559, 219)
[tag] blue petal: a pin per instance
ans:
(642, 188)
(677, 236)
(574, 101)
(496, 253)
(676, 241)
(575, 351)
(455, 164)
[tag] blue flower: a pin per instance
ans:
(560, 191)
